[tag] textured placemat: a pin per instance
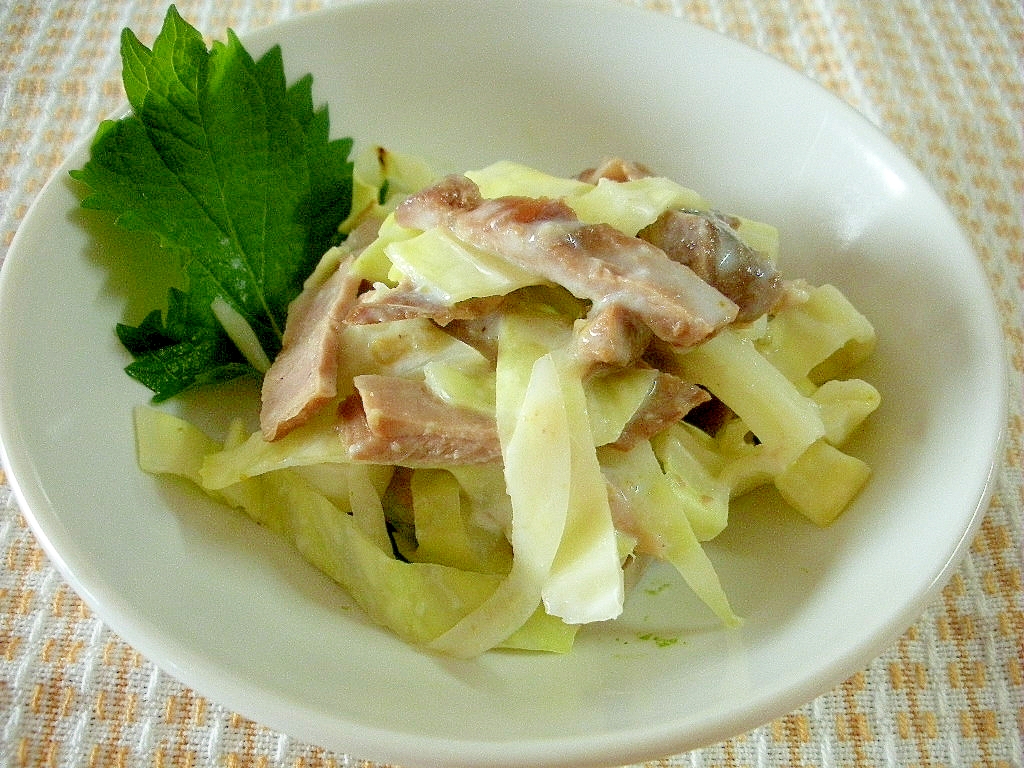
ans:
(944, 79)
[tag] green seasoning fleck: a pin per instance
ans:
(657, 589)
(658, 640)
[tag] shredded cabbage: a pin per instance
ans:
(523, 551)
(540, 493)
(629, 206)
(586, 581)
(451, 270)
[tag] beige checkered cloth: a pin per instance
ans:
(944, 79)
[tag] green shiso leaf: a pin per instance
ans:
(234, 173)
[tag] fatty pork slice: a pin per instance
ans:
(303, 376)
(610, 336)
(669, 400)
(707, 243)
(592, 261)
(403, 302)
(391, 420)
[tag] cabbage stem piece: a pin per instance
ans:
(445, 531)
(241, 334)
(613, 397)
(844, 405)
(380, 179)
(315, 442)
(822, 482)
(703, 496)
(770, 405)
(167, 445)
(461, 388)
(586, 582)
(401, 348)
(505, 178)
(540, 495)
(372, 263)
(366, 507)
(818, 339)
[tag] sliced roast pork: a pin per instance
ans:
(382, 304)
(303, 376)
(669, 400)
(707, 243)
(592, 261)
(391, 420)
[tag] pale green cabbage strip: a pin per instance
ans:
(522, 553)
(540, 493)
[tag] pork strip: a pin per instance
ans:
(708, 244)
(390, 420)
(303, 376)
(592, 261)
(382, 304)
(669, 400)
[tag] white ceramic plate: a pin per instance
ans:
(234, 613)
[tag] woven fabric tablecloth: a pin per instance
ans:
(943, 78)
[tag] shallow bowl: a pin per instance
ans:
(559, 84)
